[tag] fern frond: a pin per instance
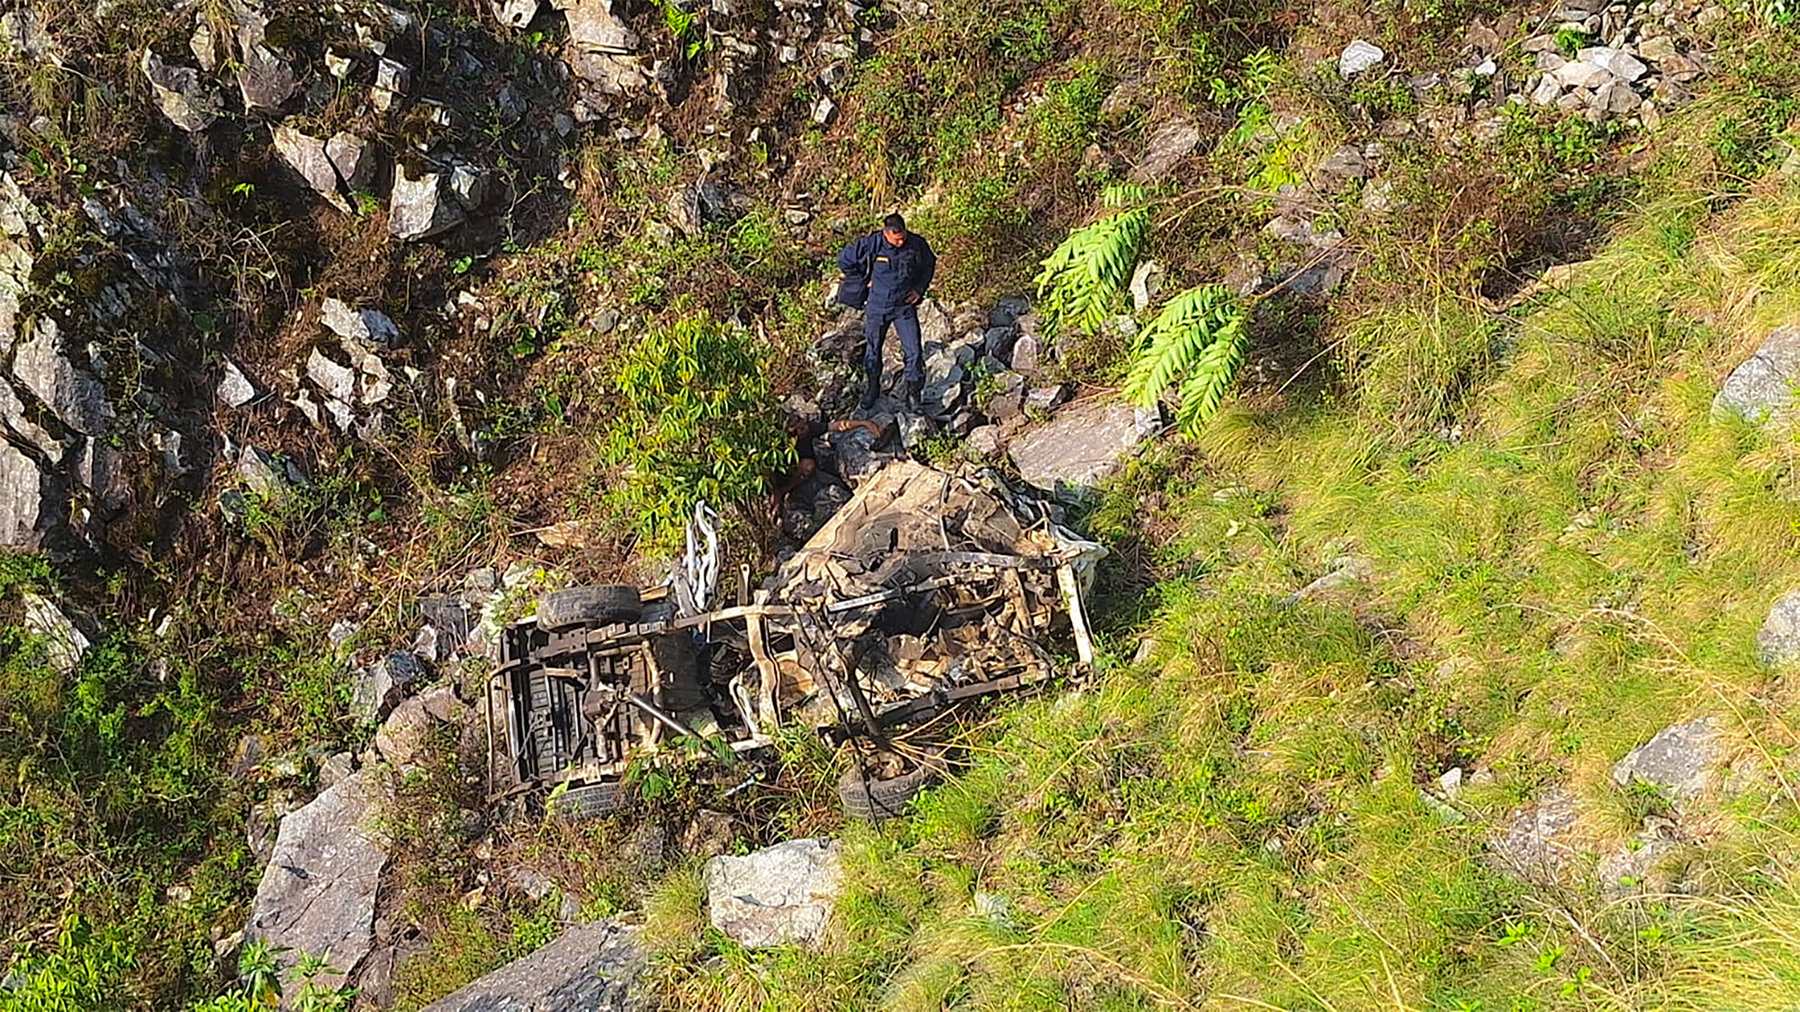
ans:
(1211, 376)
(1125, 195)
(1199, 335)
(1081, 278)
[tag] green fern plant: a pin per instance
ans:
(1082, 278)
(1197, 342)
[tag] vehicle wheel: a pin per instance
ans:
(605, 605)
(679, 660)
(881, 798)
(589, 802)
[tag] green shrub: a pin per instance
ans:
(695, 422)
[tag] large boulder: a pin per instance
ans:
(1762, 388)
(417, 208)
(180, 95)
(780, 895)
(1681, 761)
(22, 499)
(1082, 444)
(1164, 148)
(76, 396)
(592, 968)
(1778, 641)
(317, 895)
(1539, 841)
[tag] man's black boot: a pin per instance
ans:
(871, 391)
(914, 396)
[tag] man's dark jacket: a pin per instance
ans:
(895, 273)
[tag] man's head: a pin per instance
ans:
(796, 425)
(893, 228)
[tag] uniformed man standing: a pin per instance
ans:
(896, 267)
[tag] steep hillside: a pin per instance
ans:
(1442, 638)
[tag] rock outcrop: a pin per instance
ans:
(780, 895)
(317, 895)
(596, 967)
(1761, 390)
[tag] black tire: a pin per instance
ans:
(876, 799)
(605, 605)
(679, 660)
(591, 801)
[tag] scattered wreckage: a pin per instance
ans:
(926, 589)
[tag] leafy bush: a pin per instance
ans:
(695, 422)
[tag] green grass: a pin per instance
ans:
(1568, 554)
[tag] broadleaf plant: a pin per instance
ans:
(1081, 279)
(696, 421)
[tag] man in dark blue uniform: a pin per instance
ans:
(899, 266)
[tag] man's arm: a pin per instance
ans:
(851, 259)
(927, 267)
(847, 424)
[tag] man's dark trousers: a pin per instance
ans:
(905, 320)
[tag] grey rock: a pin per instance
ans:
(1778, 641)
(23, 499)
(1345, 571)
(984, 440)
(368, 328)
(337, 381)
(1358, 57)
(936, 325)
(179, 94)
(823, 110)
(1082, 444)
(1658, 49)
(1548, 90)
(1762, 389)
(378, 688)
(596, 967)
(514, 13)
(780, 895)
(1045, 398)
(593, 26)
(73, 394)
(405, 733)
(101, 468)
(1539, 840)
(64, 644)
(335, 768)
(1682, 760)
(1025, 355)
(1638, 866)
(417, 209)
(997, 342)
(1582, 74)
(1146, 284)
(1616, 98)
(1008, 398)
(392, 80)
(306, 155)
(264, 78)
(317, 895)
(1451, 782)
(468, 186)
(235, 389)
(351, 158)
(1164, 148)
(1620, 64)
(14, 417)
(264, 474)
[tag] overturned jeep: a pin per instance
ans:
(926, 589)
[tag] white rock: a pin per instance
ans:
(1620, 64)
(235, 389)
(780, 895)
(337, 381)
(1357, 57)
(64, 645)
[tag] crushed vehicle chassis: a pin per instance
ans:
(927, 588)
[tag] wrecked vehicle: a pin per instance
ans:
(926, 589)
